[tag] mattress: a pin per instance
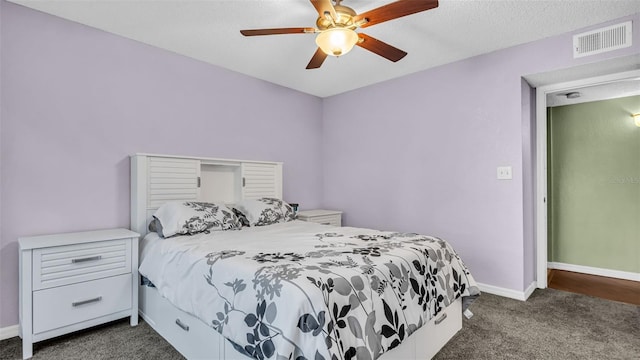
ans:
(304, 290)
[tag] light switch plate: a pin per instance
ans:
(504, 173)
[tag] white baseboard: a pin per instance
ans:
(504, 292)
(529, 290)
(595, 271)
(9, 332)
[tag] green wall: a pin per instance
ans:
(594, 184)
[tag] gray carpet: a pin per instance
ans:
(552, 324)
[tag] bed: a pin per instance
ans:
(289, 289)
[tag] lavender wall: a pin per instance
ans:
(78, 101)
(419, 153)
(528, 181)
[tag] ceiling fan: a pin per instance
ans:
(336, 25)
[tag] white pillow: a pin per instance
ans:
(180, 218)
(266, 211)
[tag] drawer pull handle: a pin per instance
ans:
(326, 223)
(441, 319)
(184, 326)
(78, 303)
(91, 258)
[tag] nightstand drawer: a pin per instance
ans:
(66, 305)
(326, 220)
(325, 217)
(64, 265)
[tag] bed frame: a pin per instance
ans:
(156, 179)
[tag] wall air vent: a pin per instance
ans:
(602, 40)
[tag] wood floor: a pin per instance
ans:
(626, 291)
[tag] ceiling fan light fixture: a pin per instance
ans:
(337, 41)
(336, 25)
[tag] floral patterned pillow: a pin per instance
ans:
(266, 211)
(187, 218)
(241, 217)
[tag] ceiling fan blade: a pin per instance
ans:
(324, 6)
(317, 59)
(278, 31)
(381, 48)
(394, 10)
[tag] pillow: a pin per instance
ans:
(266, 211)
(187, 218)
(241, 217)
(155, 226)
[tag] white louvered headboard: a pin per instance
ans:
(156, 179)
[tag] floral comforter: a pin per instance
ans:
(301, 290)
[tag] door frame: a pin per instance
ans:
(541, 159)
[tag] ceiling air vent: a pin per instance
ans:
(602, 40)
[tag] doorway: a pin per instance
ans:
(542, 95)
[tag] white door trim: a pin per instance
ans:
(541, 159)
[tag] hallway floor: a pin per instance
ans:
(626, 291)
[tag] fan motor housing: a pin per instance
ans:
(344, 14)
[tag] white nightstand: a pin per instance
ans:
(325, 217)
(73, 281)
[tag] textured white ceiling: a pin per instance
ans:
(209, 31)
(617, 89)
